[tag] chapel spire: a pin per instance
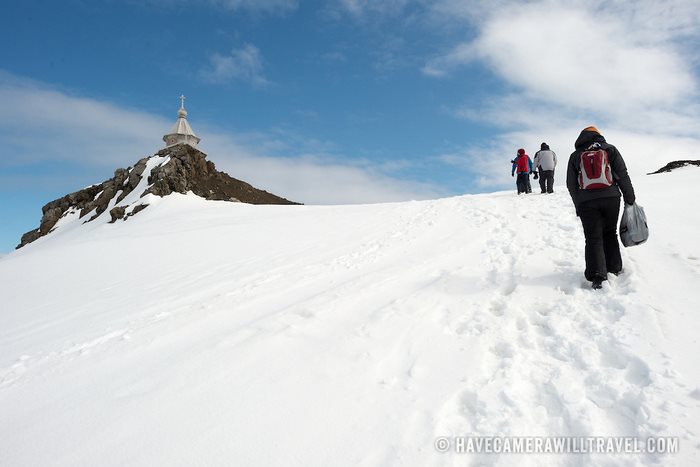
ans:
(181, 131)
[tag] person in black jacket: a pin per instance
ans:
(599, 208)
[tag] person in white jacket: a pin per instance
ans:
(538, 171)
(545, 162)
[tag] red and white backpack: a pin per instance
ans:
(594, 171)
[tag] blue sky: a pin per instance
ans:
(337, 101)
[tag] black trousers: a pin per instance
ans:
(547, 179)
(543, 187)
(599, 219)
(522, 182)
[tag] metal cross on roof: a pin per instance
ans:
(182, 101)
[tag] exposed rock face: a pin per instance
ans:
(93, 198)
(675, 165)
(117, 213)
(188, 170)
(184, 169)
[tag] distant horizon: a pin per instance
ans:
(560, 186)
(338, 101)
(4, 253)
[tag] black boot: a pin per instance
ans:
(597, 284)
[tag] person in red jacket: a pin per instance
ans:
(522, 164)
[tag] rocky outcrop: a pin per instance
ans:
(92, 200)
(188, 170)
(183, 169)
(675, 165)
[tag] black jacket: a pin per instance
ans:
(621, 179)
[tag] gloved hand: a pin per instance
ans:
(536, 176)
(512, 174)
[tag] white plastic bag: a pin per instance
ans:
(633, 226)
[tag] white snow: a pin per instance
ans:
(69, 217)
(113, 201)
(136, 193)
(214, 333)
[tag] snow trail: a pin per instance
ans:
(205, 332)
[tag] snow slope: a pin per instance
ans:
(214, 333)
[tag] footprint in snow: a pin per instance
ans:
(567, 227)
(497, 307)
(470, 327)
(503, 350)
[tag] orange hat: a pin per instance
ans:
(591, 128)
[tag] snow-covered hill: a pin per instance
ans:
(213, 333)
(180, 168)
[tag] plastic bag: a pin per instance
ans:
(633, 226)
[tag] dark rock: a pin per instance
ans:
(675, 165)
(138, 209)
(120, 212)
(29, 237)
(186, 170)
(130, 182)
(117, 213)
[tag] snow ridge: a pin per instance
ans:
(364, 334)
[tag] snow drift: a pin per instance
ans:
(214, 333)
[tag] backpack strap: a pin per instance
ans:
(606, 148)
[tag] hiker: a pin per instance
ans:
(537, 170)
(523, 166)
(595, 175)
(545, 162)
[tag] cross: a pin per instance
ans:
(182, 101)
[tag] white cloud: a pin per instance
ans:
(625, 66)
(244, 64)
(314, 179)
(644, 149)
(41, 125)
(575, 56)
(654, 19)
(444, 64)
(315, 174)
(489, 164)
